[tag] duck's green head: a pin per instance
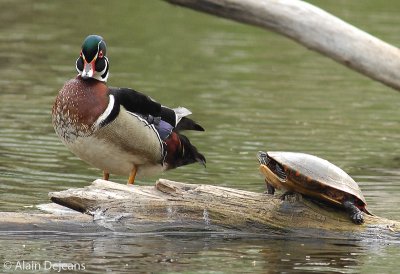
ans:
(92, 62)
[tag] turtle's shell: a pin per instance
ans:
(317, 175)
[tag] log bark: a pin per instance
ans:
(178, 207)
(53, 222)
(173, 207)
(315, 29)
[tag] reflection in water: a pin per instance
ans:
(251, 89)
(158, 253)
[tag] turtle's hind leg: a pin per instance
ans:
(287, 193)
(354, 212)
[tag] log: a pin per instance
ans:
(315, 29)
(179, 207)
(174, 207)
(54, 222)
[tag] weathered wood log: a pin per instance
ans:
(12, 223)
(173, 207)
(315, 29)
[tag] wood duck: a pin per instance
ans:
(119, 130)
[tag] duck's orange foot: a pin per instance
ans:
(106, 175)
(132, 175)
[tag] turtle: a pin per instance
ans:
(312, 177)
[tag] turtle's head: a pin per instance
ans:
(263, 158)
(273, 171)
(92, 61)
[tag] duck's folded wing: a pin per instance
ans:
(139, 103)
(136, 102)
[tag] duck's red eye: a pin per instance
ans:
(101, 54)
(80, 54)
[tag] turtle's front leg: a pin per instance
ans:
(354, 212)
(270, 188)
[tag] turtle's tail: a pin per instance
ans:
(367, 211)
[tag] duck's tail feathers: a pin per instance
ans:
(176, 117)
(184, 123)
(181, 112)
(188, 124)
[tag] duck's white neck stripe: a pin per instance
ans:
(107, 112)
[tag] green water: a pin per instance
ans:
(251, 89)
